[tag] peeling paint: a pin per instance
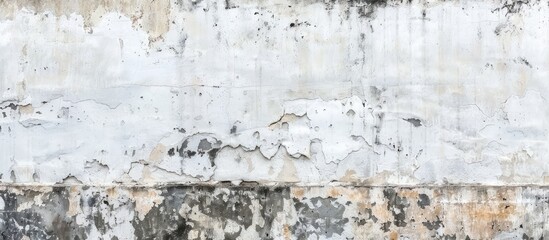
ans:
(101, 93)
(350, 119)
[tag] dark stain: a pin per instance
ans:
(99, 222)
(423, 201)
(449, 237)
(235, 205)
(229, 4)
(183, 148)
(386, 226)
(190, 153)
(325, 215)
(414, 121)
(233, 130)
(212, 154)
(194, 3)
(366, 11)
(298, 24)
(365, 216)
(12, 106)
(211, 148)
(48, 221)
(397, 205)
(525, 62)
(366, 8)
(272, 202)
(512, 6)
(161, 222)
(433, 225)
(499, 28)
(182, 44)
(360, 222)
(232, 236)
(181, 130)
(204, 145)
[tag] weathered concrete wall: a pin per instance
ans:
(447, 98)
(205, 212)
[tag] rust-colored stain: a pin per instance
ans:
(394, 235)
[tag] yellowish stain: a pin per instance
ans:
(145, 200)
(26, 109)
(157, 153)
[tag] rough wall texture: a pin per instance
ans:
(136, 119)
(206, 212)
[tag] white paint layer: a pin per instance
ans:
(308, 93)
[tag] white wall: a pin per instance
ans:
(274, 91)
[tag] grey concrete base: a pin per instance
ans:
(229, 212)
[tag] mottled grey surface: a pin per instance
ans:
(254, 212)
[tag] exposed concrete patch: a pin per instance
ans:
(224, 212)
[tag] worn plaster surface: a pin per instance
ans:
(114, 112)
(246, 212)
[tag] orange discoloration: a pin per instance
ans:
(334, 192)
(354, 194)
(409, 194)
(74, 201)
(287, 234)
(145, 200)
(362, 206)
(488, 212)
(298, 192)
(393, 236)
(380, 211)
(357, 195)
(112, 192)
(349, 176)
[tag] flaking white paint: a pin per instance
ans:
(415, 93)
